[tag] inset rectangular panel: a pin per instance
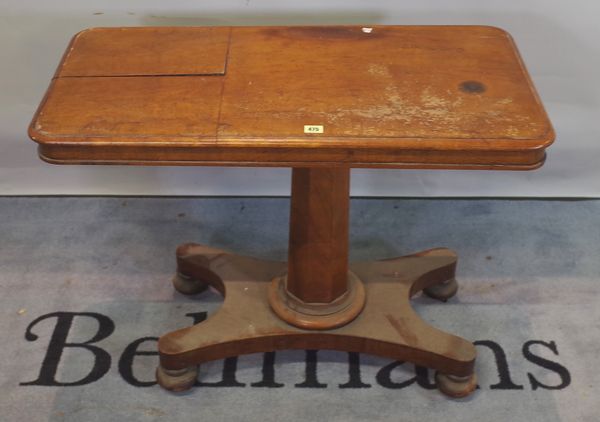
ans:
(147, 51)
(130, 109)
(395, 83)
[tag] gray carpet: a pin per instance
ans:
(85, 292)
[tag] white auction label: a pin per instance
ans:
(313, 129)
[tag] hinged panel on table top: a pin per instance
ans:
(246, 95)
(147, 51)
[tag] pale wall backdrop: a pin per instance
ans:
(559, 40)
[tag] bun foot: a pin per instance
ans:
(442, 291)
(454, 386)
(176, 380)
(187, 285)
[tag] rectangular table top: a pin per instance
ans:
(380, 96)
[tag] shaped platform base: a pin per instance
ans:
(387, 326)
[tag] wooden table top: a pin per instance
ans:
(382, 96)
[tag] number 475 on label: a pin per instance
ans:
(313, 129)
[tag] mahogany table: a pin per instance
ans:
(321, 100)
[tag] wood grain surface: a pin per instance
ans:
(318, 241)
(386, 96)
(245, 323)
(147, 51)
